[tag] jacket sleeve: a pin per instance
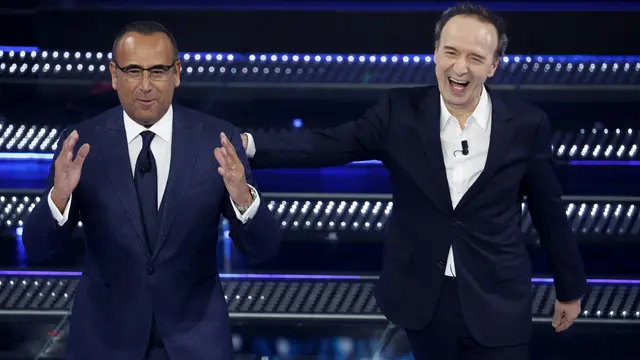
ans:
(544, 198)
(362, 139)
(43, 235)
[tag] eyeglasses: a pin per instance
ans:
(156, 72)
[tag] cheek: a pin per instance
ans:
(441, 70)
(480, 74)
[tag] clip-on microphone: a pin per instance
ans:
(465, 148)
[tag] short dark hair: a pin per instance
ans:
(481, 13)
(145, 28)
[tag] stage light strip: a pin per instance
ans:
(25, 156)
(347, 58)
(19, 48)
(605, 162)
(299, 277)
(44, 156)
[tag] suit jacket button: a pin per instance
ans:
(441, 264)
(455, 222)
(151, 270)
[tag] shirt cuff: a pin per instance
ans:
(251, 211)
(251, 146)
(61, 219)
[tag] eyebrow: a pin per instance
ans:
(134, 65)
(446, 47)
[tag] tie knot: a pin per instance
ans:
(147, 136)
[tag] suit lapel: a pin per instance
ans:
(184, 148)
(435, 181)
(499, 144)
(118, 165)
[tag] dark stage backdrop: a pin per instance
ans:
(326, 26)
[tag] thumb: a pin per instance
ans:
(557, 317)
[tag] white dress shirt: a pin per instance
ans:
(462, 171)
(161, 149)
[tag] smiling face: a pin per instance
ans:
(465, 57)
(145, 95)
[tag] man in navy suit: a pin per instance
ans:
(456, 272)
(150, 195)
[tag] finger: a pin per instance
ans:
(71, 140)
(245, 141)
(222, 172)
(81, 156)
(66, 153)
(220, 158)
(230, 162)
(564, 326)
(558, 318)
(231, 150)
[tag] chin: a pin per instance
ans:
(145, 118)
(457, 100)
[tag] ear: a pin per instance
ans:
(494, 67)
(178, 68)
(114, 75)
(435, 55)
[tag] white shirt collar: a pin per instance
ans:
(162, 128)
(480, 114)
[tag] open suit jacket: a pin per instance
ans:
(492, 264)
(123, 283)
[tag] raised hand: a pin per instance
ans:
(68, 170)
(232, 172)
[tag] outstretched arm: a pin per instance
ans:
(363, 139)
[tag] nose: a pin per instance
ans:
(460, 67)
(145, 83)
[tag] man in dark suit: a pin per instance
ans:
(150, 195)
(456, 273)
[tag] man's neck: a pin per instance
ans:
(463, 114)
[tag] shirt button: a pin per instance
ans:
(151, 270)
(441, 264)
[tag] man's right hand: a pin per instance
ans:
(68, 170)
(245, 141)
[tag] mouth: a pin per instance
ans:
(145, 102)
(458, 86)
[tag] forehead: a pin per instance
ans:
(144, 50)
(469, 34)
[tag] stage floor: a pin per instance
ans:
(319, 317)
(583, 342)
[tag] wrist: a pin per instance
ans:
(58, 200)
(245, 198)
(57, 197)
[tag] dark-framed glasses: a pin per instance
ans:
(156, 72)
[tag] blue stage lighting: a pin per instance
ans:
(354, 69)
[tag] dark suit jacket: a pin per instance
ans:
(123, 283)
(492, 264)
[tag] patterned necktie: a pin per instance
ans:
(146, 180)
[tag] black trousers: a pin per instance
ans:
(155, 350)
(447, 336)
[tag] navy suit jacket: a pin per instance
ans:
(123, 283)
(492, 264)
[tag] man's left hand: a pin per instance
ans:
(565, 314)
(232, 172)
